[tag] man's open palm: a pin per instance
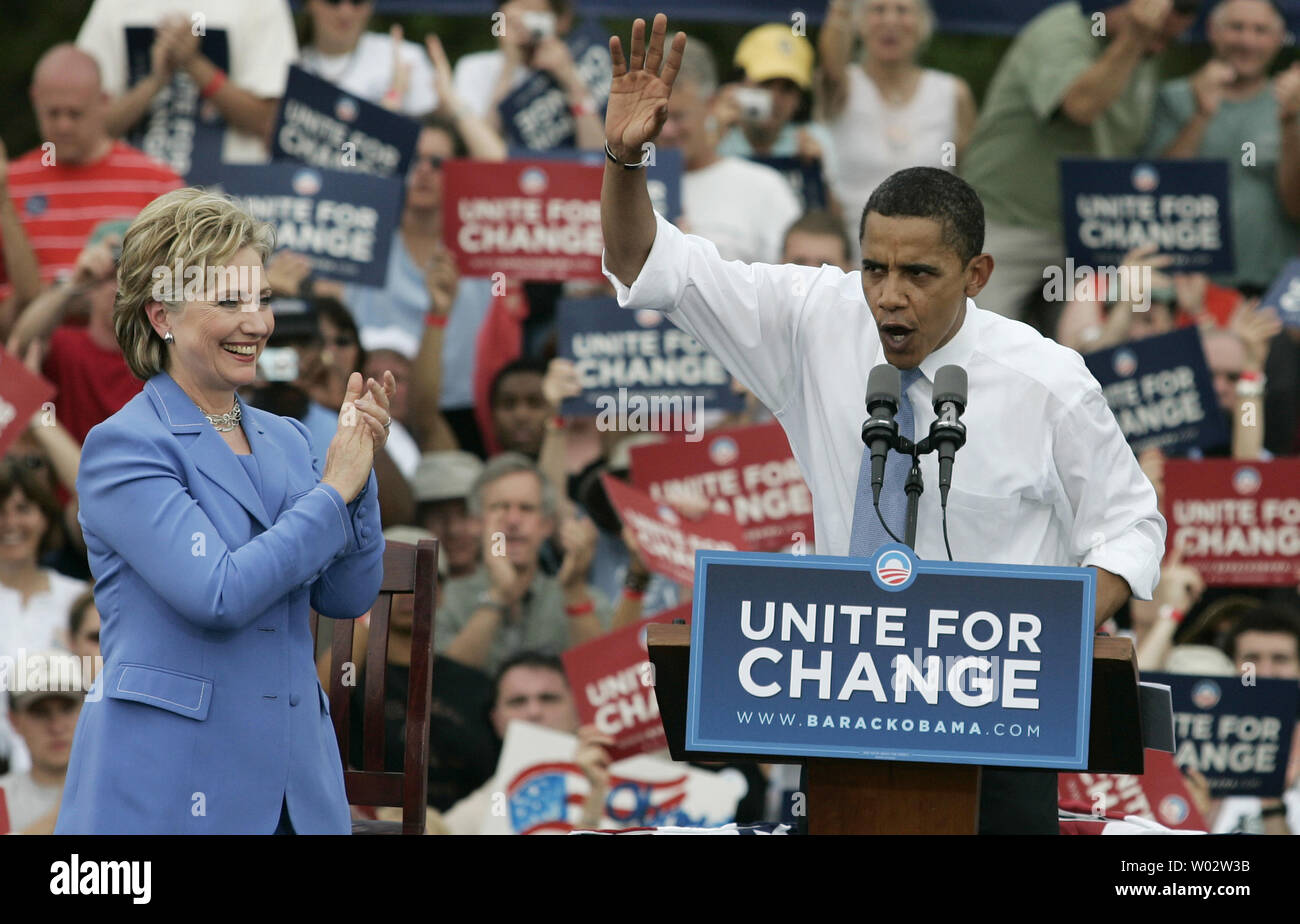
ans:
(638, 93)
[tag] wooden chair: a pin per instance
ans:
(407, 570)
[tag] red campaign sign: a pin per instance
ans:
(1160, 794)
(529, 219)
(613, 687)
(748, 474)
(1237, 523)
(22, 392)
(667, 539)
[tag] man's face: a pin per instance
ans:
(1274, 654)
(70, 110)
(806, 248)
(916, 285)
(46, 726)
(458, 533)
(424, 182)
(512, 506)
(1226, 358)
(519, 413)
(686, 126)
(534, 694)
(1246, 34)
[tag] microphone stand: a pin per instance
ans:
(914, 486)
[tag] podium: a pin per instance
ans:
(851, 796)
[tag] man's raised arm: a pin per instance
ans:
(637, 109)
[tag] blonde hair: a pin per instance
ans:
(183, 228)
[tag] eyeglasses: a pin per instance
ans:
(433, 160)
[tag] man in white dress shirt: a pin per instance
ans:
(1045, 476)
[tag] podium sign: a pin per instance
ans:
(891, 658)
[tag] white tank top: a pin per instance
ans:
(874, 139)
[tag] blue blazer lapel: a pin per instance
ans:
(270, 460)
(211, 454)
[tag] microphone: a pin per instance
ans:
(880, 431)
(948, 433)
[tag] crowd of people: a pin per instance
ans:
(477, 449)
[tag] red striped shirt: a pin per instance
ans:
(60, 204)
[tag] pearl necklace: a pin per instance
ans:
(227, 421)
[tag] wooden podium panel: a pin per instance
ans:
(892, 797)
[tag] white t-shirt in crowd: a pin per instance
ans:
(37, 625)
(367, 72)
(261, 40)
(27, 800)
(742, 207)
(475, 76)
(873, 139)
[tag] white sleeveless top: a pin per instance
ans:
(874, 139)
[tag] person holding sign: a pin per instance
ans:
(1078, 81)
(1268, 641)
(1045, 477)
(212, 533)
(1231, 110)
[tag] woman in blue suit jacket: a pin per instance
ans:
(211, 529)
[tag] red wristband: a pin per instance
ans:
(436, 320)
(1168, 612)
(630, 594)
(580, 609)
(212, 86)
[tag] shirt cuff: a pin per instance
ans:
(1132, 556)
(662, 275)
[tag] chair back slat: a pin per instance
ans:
(407, 570)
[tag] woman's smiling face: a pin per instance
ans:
(219, 339)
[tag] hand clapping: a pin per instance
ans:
(363, 428)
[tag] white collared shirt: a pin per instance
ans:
(1045, 477)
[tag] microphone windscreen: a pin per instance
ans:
(884, 385)
(950, 385)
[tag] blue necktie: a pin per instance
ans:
(868, 535)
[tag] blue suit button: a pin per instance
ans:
(294, 699)
(365, 532)
(361, 513)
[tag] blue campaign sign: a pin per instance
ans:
(342, 220)
(535, 115)
(323, 125)
(891, 658)
(1237, 734)
(804, 176)
(1284, 294)
(179, 128)
(1161, 392)
(638, 359)
(1110, 207)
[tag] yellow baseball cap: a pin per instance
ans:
(773, 51)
